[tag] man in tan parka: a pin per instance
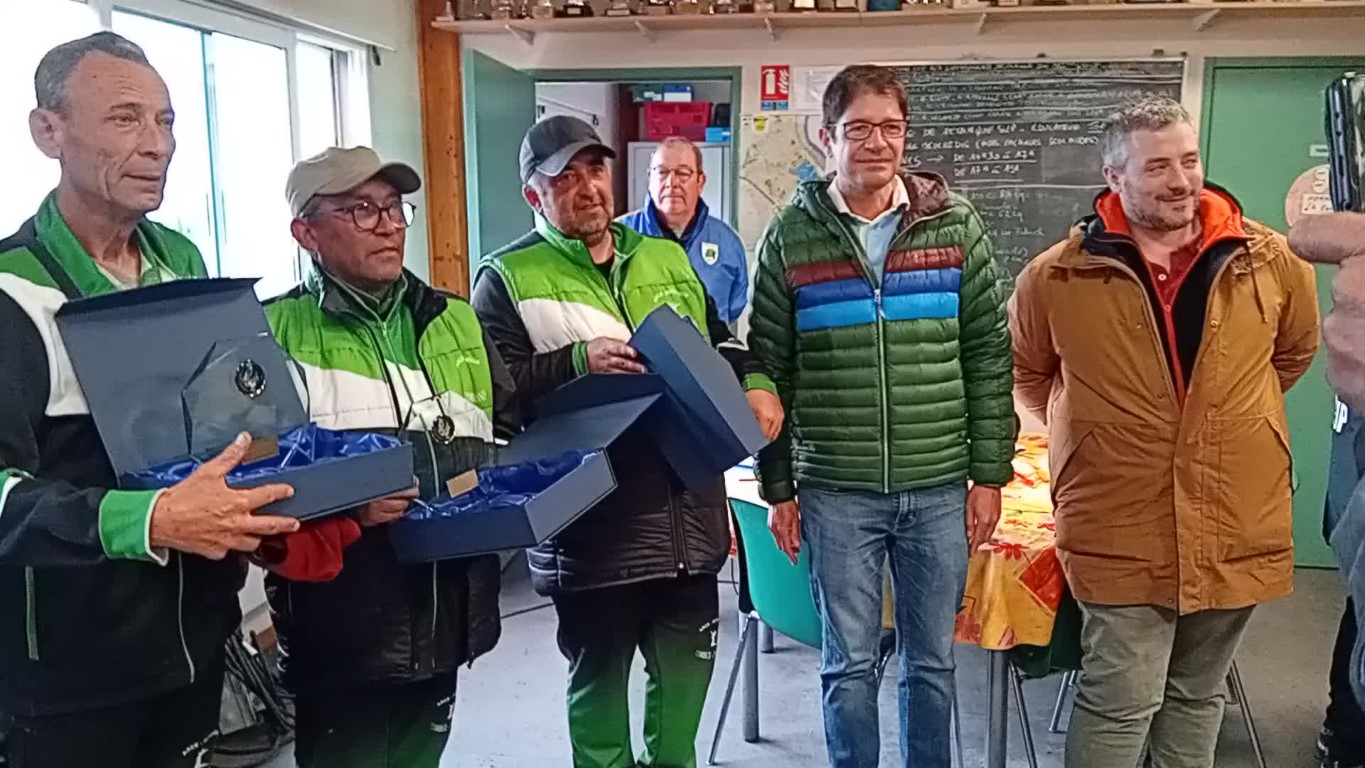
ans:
(1157, 342)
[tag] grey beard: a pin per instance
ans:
(1158, 224)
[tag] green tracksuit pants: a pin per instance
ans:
(673, 623)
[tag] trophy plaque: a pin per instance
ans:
(574, 9)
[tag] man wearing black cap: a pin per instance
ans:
(639, 570)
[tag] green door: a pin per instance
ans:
(499, 106)
(1263, 140)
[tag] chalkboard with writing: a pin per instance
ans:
(1020, 139)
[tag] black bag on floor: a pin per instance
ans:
(257, 719)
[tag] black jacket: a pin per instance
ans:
(79, 629)
(381, 620)
(651, 526)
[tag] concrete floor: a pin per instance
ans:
(510, 706)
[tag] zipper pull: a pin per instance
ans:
(877, 296)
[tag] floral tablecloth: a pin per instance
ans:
(1015, 583)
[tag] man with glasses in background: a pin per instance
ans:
(371, 645)
(878, 313)
(676, 211)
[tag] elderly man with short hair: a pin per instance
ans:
(676, 211)
(116, 603)
(1157, 342)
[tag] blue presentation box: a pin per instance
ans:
(548, 477)
(702, 424)
(706, 425)
(691, 404)
(172, 372)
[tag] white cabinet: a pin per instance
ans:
(716, 160)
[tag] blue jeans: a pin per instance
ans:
(851, 536)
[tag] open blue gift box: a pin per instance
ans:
(703, 424)
(558, 469)
(173, 372)
(548, 477)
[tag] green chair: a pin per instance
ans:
(777, 593)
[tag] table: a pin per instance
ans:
(1014, 583)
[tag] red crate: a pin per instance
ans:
(677, 118)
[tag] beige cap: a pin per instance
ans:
(338, 170)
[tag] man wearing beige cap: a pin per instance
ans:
(371, 645)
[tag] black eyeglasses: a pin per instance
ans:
(680, 175)
(894, 129)
(366, 214)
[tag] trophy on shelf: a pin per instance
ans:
(763, 6)
(725, 7)
(620, 8)
(658, 7)
(574, 9)
(471, 10)
(504, 9)
(542, 9)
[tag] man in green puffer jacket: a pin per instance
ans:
(878, 311)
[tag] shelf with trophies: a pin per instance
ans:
(527, 18)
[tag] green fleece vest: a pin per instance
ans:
(563, 298)
(40, 289)
(369, 367)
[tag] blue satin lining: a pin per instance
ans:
(300, 447)
(504, 486)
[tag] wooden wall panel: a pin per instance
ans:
(443, 142)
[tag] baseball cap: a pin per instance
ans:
(339, 170)
(553, 142)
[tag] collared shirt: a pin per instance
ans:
(876, 234)
(1168, 281)
(123, 284)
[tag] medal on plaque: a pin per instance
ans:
(233, 391)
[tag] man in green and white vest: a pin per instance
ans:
(114, 604)
(371, 645)
(639, 569)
